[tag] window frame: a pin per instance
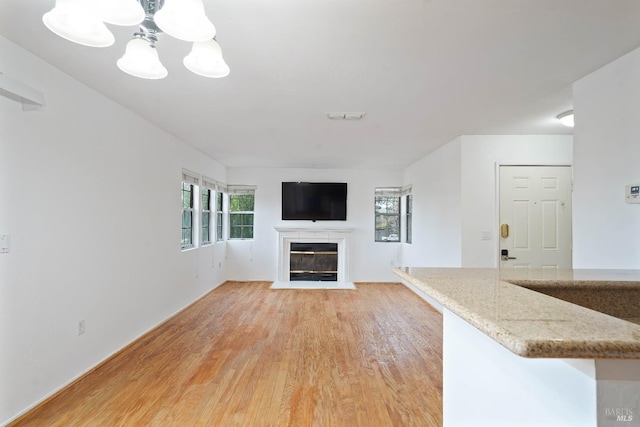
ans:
(391, 193)
(190, 184)
(187, 209)
(220, 237)
(205, 216)
(242, 214)
(408, 219)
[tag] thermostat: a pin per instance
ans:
(632, 193)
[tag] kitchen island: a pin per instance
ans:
(515, 355)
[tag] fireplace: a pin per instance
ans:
(313, 262)
(326, 266)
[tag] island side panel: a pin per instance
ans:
(487, 385)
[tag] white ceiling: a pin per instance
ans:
(424, 71)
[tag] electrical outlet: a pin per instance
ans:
(81, 327)
(5, 243)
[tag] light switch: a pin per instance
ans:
(486, 235)
(5, 243)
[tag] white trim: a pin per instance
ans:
(213, 184)
(241, 189)
(388, 191)
(209, 183)
(190, 177)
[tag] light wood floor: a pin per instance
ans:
(247, 355)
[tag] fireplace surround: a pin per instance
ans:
(340, 237)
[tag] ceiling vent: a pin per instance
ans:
(345, 116)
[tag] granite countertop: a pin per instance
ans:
(530, 323)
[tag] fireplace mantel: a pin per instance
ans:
(339, 235)
(315, 230)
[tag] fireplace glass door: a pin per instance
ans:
(313, 262)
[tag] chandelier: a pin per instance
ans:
(83, 22)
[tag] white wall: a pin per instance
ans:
(607, 157)
(454, 195)
(258, 259)
(480, 155)
(90, 195)
(436, 237)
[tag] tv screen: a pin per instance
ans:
(315, 201)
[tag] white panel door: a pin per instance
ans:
(535, 217)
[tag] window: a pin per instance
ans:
(408, 212)
(241, 216)
(205, 231)
(387, 214)
(187, 215)
(241, 207)
(219, 217)
(190, 183)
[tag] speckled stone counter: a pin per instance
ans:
(532, 324)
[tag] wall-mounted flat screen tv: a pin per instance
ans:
(314, 201)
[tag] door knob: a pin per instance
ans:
(504, 231)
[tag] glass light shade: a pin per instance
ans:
(185, 20)
(74, 20)
(206, 60)
(121, 12)
(141, 60)
(566, 118)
